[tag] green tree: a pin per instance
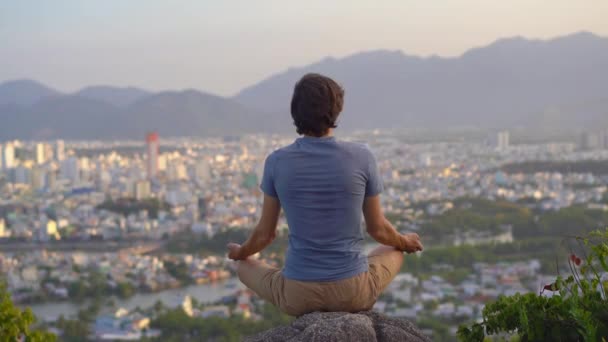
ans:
(125, 290)
(15, 325)
(73, 330)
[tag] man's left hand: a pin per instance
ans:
(234, 251)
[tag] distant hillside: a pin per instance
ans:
(24, 92)
(65, 116)
(191, 113)
(186, 113)
(120, 97)
(511, 82)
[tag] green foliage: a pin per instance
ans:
(441, 330)
(568, 221)
(179, 270)
(577, 311)
(463, 257)
(188, 242)
(94, 285)
(128, 206)
(76, 330)
(125, 289)
(15, 324)
(474, 214)
(177, 326)
(72, 330)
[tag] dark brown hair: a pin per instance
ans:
(316, 103)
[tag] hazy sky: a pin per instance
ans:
(222, 46)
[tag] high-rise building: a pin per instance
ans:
(84, 166)
(41, 153)
(70, 169)
(152, 146)
(142, 190)
(425, 159)
(590, 141)
(603, 139)
(59, 150)
(3, 232)
(201, 171)
(162, 162)
(21, 175)
(502, 140)
(176, 170)
(8, 156)
(37, 178)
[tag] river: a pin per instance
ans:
(204, 293)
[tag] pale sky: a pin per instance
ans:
(222, 46)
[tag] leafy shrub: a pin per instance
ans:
(15, 324)
(577, 310)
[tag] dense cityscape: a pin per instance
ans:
(83, 221)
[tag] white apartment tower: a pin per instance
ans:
(7, 157)
(502, 140)
(59, 150)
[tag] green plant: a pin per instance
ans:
(577, 310)
(15, 324)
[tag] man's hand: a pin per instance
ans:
(234, 251)
(412, 243)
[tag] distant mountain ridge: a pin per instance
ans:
(24, 92)
(128, 114)
(120, 97)
(511, 82)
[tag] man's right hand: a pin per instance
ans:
(412, 243)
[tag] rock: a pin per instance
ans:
(367, 326)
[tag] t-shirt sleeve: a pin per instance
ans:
(374, 184)
(267, 184)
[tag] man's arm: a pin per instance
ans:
(383, 231)
(262, 234)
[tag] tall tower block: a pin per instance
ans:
(152, 145)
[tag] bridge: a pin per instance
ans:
(95, 246)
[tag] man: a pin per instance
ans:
(323, 186)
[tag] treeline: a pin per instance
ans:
(484, 215)
(177, 326)
(596, 167)
(463, 257)
(96, 286)
(188, 242)
(128, 206)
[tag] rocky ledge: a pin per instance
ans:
(341, 326)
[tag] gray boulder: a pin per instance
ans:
(342, 326)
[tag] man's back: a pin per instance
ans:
(321, 184)
(325, 187)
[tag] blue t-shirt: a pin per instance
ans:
(321, 184)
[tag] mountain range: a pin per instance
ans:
(512, 82)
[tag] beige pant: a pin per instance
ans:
(296, 298)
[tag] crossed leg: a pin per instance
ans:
(384, 264)
(259, 277)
